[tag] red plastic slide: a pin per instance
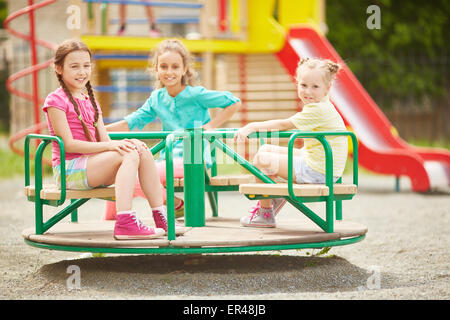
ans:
(379, 149)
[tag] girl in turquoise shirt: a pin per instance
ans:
(178, 104)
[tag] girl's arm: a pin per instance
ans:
(121, 125)
(270, 125)
(61, 128)
(102, 130)
(224, 115)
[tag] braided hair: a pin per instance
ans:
(62, 51)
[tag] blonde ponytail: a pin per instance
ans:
(329, 68)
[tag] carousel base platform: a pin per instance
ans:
(219, 235)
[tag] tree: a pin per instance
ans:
(403, 58)
(4, 95)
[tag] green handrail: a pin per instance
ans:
(40, 226)
(170, 201)
(328, 154)
(46, 139)
(139, 135)
(326, 225)
(328, 161)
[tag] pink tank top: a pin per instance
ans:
(58, 99)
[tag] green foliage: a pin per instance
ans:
(406, 58)
(322, 252)
(3, 12)
(432, 144)
(4, 95)
(13, 165)
(4, 103)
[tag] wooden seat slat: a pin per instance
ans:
(305, 190)
(232, 180)
(51, 191)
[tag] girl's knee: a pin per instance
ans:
(265, 162)
(114, 157)
(132, 156)
(146, 154)
(259, 159)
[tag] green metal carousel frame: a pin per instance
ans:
(196, 185)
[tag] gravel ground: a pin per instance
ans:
(405, 256)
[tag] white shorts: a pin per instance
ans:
(304, 174)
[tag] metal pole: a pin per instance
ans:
(33, 63)
(194, 179)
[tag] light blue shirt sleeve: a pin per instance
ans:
(142, 116)
(214, 99)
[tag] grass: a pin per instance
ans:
(432, 144)
(13, 165)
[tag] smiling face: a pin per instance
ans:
(76, 70)
(170, 70)
(311, 87)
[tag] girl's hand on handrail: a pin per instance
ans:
(241, 135)
(207, 127)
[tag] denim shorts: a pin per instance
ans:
(76, 177)
(304, 174)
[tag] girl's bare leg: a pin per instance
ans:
(149, 179)
(122, 14)
(273, 161)
(278, 149)
(113, 168)
(150, 15)
(161, 167)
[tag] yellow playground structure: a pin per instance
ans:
(251, 26)
(235, 42)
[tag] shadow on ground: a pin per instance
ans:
(206, 275)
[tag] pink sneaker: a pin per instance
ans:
(161, 222)
(154, 33)
(121, 31)
(129, 227)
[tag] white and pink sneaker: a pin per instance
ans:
(263, 217)
(260, 218)
(129, 227)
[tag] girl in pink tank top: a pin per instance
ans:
(92, 158)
